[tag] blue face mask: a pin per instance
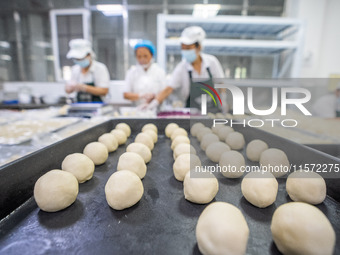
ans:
(189, 55)
(82, 63)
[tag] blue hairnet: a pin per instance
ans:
(147, 44)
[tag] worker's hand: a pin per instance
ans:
(153, 105)
(147, 97)
(70, 87)
(80, 87)
(225, 106)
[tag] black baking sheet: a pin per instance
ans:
(163, 222)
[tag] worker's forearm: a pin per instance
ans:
(164, 94)
(96, 91)
(131, 96)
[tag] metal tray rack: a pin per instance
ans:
(163, 222)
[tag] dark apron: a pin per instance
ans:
(84, 97)
(196, 92)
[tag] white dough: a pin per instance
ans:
(150, 126)
(259, 188)
(222, 230)
(255, 148)
(216, 128)
(275, 161)
(170, 128)
(300, 228)
(195, 128)
(183, 164)
(55, 190)
(183, 148)
(208, 139)
(202, 132)
(235, 140)
(179, 139)
(97, 152)
(133, 162)
(145, 139)
(201, 189)
(232, 164)
(215, 150)
(223, 132)
(306, 186)
(125, 127)
(123, 190)
(141, 149)
(120, 136)
(177, 132)
(109, 140)
(80, 165)
(152, 133)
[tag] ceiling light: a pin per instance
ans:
(111, 9)
(206, 10)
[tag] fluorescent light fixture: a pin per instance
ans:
(206, 10)
(111, 9)
(4, 44)
(6, 57)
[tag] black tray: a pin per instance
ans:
(163, 222)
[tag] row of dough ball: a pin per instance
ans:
(63, 184)
(124, 188)
(199, 189)
(296, 227)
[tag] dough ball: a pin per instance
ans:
(202, 189)
(97, 152)
(153, 135)
(150, 126)
(259, 188)
(232, 164)
(235, 140)
(215, 150)
(179, 139)
(133, 162)
(211, 115)
(170, 128)
(125, 127)
(223, 132)
(55, 190)
(208, 139)
(300, 228)
(109, 140)
(140, 149)
(80, 165)
(255, 148)
(120, 136)
(222, 229)
(183, 148)
(274, 161)
(216, 128)
(202, 132)
(306, 186)
(146, 139)
(123, 190)
(183, 164)
(219, 115)
(195, 128)
(177, 132)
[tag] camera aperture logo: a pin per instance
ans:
(302, 96)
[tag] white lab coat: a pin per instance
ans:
(139, 81)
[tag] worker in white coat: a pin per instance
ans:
(90, 78)
(328, 106)
(194, 65)
(145, 79)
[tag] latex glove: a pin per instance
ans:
(147, 97)
(153, 105)
(70, 86)
(80, 87)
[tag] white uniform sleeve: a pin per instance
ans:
(216, 68)
(176, 79)
(128, 81)
(75, 70)
(102, 77)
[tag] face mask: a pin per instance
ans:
(146, 66)
(189, 55)
(82, 63)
